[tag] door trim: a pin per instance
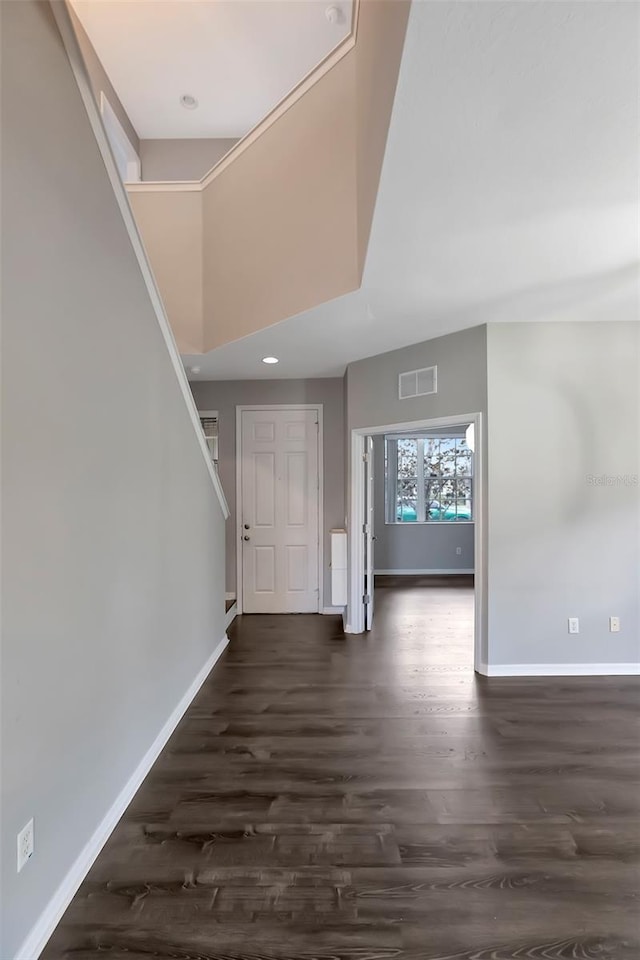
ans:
(240, 409)
(354, 621)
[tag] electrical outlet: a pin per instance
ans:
(614, 624)
(574, 625)
(458, 551)
(25, 844)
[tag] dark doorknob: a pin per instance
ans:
(246, 538)
(247, 527)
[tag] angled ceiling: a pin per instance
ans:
(239, 58)
(509, 190)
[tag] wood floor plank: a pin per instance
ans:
(370, 798)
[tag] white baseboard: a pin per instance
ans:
(560, 669)
(419, 573)
(230, 615)
(229, 596)
(37, 939)
(328, 611)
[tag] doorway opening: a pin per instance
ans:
(416, 505)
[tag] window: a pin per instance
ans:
(429, 479)
(209, 424)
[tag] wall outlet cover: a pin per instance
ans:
(25, 844)
(614, 624)
(574, 625)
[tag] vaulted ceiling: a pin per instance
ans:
(509, 189)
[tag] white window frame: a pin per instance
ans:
(391, 480)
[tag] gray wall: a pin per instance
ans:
(100, 80)
(225, 395)
(372, 384)
(112, 539)
(416, 546)
(563, 406)
(461, 358)
(181, 159)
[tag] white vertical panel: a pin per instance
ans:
(297, 568)
(297, 489)
(264, 513)
(264, 569)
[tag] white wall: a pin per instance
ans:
(225, 395)
(563, 406)
(112, 539)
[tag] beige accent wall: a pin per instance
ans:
(280, 232)
(285, 225)
(181, 159)
(170, 225)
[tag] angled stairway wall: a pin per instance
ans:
(284, 219)
(113, 528)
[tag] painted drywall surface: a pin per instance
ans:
(225, 395)
(181, 159)
(113, 576)
(372, 399)
(416, 546)
(378, 53)
(461, 361)
(563, 409)
(170, 225)
(100, 81)
(280, 221)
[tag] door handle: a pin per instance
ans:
(247, 527)
(246, 538)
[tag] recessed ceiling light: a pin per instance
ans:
(195, 370)
(188, 101)
(270, 360)
(334, 14)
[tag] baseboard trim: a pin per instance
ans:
(230, 615)
(230, 596)
(420, 573)
(37, 939)
(332, 611)
(560, 669)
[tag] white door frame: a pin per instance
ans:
(355, 609)
(240, 409)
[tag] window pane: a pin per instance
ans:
(448, 472)
(432, 458)
(463, 459)
(407, 458)
(406, 506)
(448, 458)
(464, 489)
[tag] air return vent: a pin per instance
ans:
(418, 383)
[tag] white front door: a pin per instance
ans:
(279, 511)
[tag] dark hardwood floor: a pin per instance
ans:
(369, 798)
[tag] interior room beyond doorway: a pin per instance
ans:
(422, 548)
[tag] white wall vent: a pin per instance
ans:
(418, 383)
